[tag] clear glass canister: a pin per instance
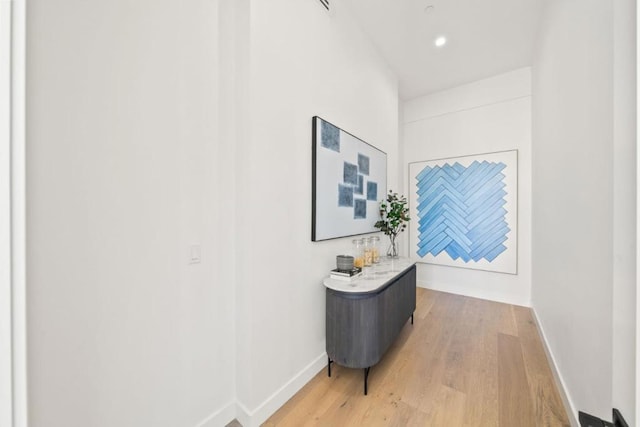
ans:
(375, 248)
(358, 253)
(368, 252)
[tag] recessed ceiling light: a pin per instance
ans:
(440, 41)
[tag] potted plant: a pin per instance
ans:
(394, 215)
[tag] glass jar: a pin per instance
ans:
(368, 252)
(375, 248)
(358, 253)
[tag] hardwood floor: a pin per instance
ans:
(464, 362)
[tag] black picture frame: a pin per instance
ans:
(349, 178)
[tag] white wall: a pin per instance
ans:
(316, 64)
(6, 403)
(123, 176)
(624, 211)
(144, 141)
(485, 116)
(573, 196)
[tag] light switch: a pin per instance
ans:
(194, 254)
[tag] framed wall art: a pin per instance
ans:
(349, 177)
(464, 211)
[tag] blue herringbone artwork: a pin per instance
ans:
(461, 211)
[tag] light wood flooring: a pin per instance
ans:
(464, 362)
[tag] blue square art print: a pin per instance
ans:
(372, 191)
(330, 137)
(363, 164)
(360, 209)
(359, 189)
(345, 195)
(350, 174)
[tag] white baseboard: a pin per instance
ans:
(243, 415)
(562, 388)
(474, 293)
(267, 408)
(222, 417)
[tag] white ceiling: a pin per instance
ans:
(485, 38)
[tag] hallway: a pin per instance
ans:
(465, 362)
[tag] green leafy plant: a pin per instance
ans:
(394, 216)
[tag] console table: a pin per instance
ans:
(364, 317)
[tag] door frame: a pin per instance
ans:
(13, 342)
(6, 348)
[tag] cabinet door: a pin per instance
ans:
(353, 325)
(397, 303)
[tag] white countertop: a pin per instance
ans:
(373, 277)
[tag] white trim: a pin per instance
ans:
(457, 289)
(6, 377)
(637, 409)
(18, 212)
(243, 415)
(562, 388)
(221, 417)
(267, 408)
(637, 220)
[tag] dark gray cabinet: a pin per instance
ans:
(362, 326)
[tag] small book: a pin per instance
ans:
(345, 278)
(346, 273)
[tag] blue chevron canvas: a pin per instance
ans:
(465, 211)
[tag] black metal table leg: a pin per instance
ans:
(366, 376)
(329, 365)
(412, 318)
